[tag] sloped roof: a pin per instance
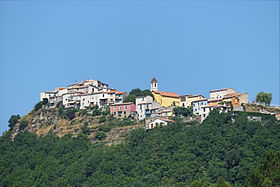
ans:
(118, 104)
(220, 90)
(154, 80)
(167, 94)
(167, 120)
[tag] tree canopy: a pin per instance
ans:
(13, 120)
(131, 97)
(218, 152)
(263, 97)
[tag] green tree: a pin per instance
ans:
(23, 124)
(263, 97)
(102, 119)
(85, 129)
(182, 112)
(221, 183)
(38, 106)
(131, 97)
(45, 101)
(267, 173)
(100, 135)
(70, 113)
(13, 121)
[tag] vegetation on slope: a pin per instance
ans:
(181, 154)
(61, 121)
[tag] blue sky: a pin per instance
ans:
(190, 47)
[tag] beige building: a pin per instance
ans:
(186, 100)
(220, 93)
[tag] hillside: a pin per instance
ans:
(218, 150)
(261, 109)
(60, 121)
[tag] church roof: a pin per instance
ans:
(168, 94)
(154, 80)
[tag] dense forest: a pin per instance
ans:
(218, 152)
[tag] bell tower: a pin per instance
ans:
(154, 84)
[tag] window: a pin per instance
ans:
(125, 107)
(120, 108)
(203, 109)
(142, 98)
(115, 107)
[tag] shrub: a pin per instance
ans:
(70, 113)
(23, 124)
(102, 119)
(38, 106)
(96, 112)
(85, 130)
(59, 104)
(104, 128)
(13, 120)
(45, 101)
(100, 135)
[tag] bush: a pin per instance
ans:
(45, 101)
(96, 112)
(13, 120)
(104, 128)
(38, 106)
(70, 113)
(59, 104)
(100, 135)
(182, 112)
(102, 119)
(23, 124)
(85, 130)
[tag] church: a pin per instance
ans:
(165, 99)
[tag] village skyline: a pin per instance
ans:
(190, 47)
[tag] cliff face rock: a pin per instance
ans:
(48, 121)
(261, 109)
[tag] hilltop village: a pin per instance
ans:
(156, 108)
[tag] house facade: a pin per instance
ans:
(166, 99)
(158, 122)
(236, 99)
(123, 109)
(186, 100)
(146, 107)
(198, 104)
(220, 93)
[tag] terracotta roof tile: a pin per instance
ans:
(168, 94)
(168, 120)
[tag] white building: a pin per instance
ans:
(220, 93)
(85, 93)
(186, 100)
(198, 104)
(158, 122)
(101, 98)
(146, 107)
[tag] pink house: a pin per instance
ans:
(123, 109)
